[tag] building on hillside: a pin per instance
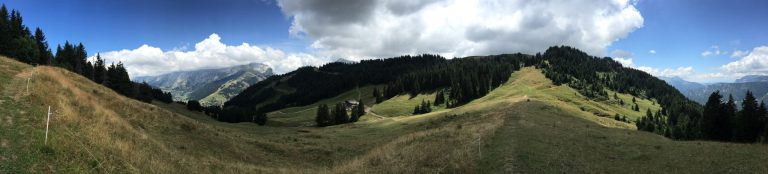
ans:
(350, 104)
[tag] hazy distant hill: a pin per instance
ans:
(682, 85)
(210, 86)
(699, 92)
(343, 60)
(752, 78)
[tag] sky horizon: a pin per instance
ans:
(702, 41)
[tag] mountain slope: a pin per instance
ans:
(515, 128)
(210, 86)
(466, 79)
(682, 85)
(95, 130)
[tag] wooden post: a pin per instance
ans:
(46, 125)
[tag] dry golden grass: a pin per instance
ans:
(94, 129)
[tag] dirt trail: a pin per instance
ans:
(370, 111)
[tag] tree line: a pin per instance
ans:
(17, 41)
(326, 116)
(723, 121)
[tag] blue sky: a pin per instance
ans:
(680, 31)
(158, 36)
(113, 25)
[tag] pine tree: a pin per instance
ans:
(357, 112)
(99, 70)
(260, 118)
(714, 109)
(5, 36)
(652, 121)
(323, 116)
(194, 105)
(377, 95)
(426, 107)
(118, 80)
(24, 49)
(730, 112)
(439, 98)
(748, 122)
(761, 114)
(78, 59)
(88, 71)
(417, 110)
(44, 53)
(341, 116)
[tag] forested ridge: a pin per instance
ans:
(18, 42)
(458, 81)
(466, 79)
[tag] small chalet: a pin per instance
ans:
(350, 104)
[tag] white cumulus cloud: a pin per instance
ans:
(756, 62)
(627, 62)
(652, 51)
(676, 72)
(739, 54)
(626, 59)
(714, 50)
(209, 53)
(359, 29)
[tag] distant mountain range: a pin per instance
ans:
(752, 78)
(209, 86)
(700, 92)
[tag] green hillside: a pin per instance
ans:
(305, 115)
(527, 125)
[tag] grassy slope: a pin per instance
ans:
(530, 83)
(403, 105)
(96, 130)
(549, 135)
(573, 145)
(305, 115)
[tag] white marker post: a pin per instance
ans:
(480, 153)
(28, 85)
(46, 125)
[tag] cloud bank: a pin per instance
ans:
(626, 59)
(356, 30)
(361, 29)
(756, 62)
(209, 53)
